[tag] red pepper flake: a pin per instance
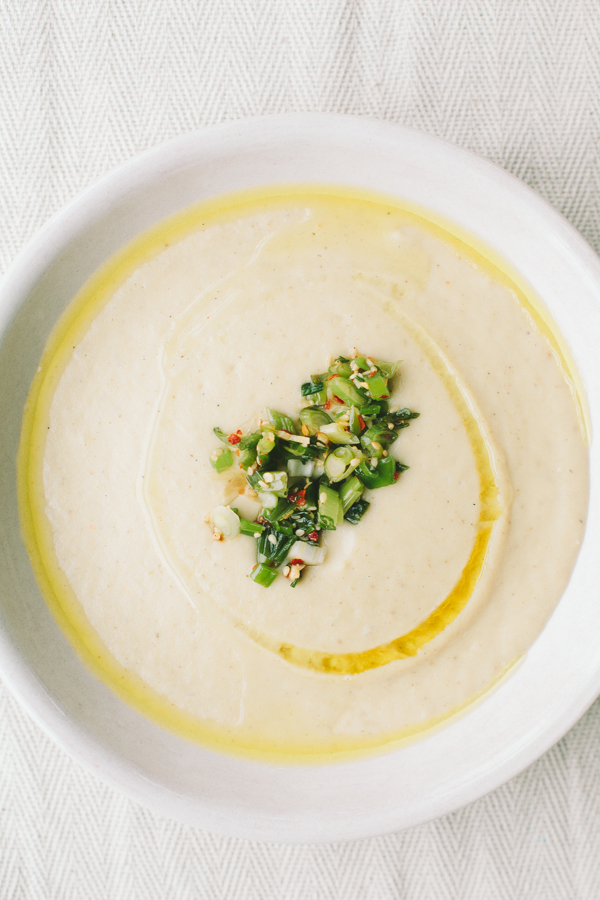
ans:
(331, 376)
(361, 421)
(339, 399)
(327, 404)
(298, 497)
(234, 438)
(296, 562)
(313, 536)
(396, 476)
(385, 397)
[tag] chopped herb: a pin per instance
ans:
(273, 547)
(309, 474)
(310, 387)
(357, 511)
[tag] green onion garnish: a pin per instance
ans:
(221, 459)
(310, 387)
(308, 474)
(350, 491)
(281, 422)
(357, 511)
(377, 473)
(264, 575)
(330, 508)
(314, 419)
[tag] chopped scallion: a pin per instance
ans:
(221, 460)
(263, 575)
(225, 521)
(305, 475)
(350, 491)
(269, 501)
(282, 509)
(280, 421)
(314, 419)
(251, 529)
(357, 511)
(337, 434)
(378, 476)
(298, 469)
(387, 369)
(273, 547)
(329, 507)
(337, 464)
(310, 387)
(310, 554)
(346, 391)
(377, 386)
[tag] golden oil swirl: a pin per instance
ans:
(491, 507)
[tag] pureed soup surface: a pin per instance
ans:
(452, 573)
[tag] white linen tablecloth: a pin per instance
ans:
(85, 85)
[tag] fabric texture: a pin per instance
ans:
(85, 86)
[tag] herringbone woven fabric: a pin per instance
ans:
(83, 87)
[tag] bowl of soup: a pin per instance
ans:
(182, 610)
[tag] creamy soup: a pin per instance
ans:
(418, 609)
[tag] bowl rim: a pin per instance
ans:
(17, 673)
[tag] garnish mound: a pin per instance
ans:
(308, 476)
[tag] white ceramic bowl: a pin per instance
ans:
(495, 740)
